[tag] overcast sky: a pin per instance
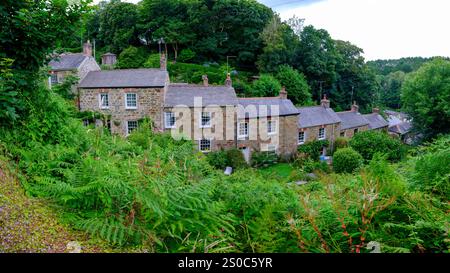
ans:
(384, 29)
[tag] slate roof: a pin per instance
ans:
(400, 115)
(401, 128)
(316, 116)
(125, 78)
(351, 119)
(184, 94)
(376, 121)
(285, 107)
(67, 61)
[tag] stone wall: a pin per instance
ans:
(89, 64)
(349, 133)
(149, 104)
(222, 130)
(332, 131)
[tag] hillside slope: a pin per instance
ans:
(28, 224)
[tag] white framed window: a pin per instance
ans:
(131, 101)
(131, 125)
(322, 134)
(204, 145)
(103, 100)
(169, 120)
(54, 79)
(271, 127)
(301, 138)
(205, 119)
(243, 129)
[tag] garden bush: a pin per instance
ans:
(227, 158)
(368, 143)
(264, 159)
(346, 160)
(313, 149)
(341, 142)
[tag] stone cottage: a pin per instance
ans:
(79, 64)
(213, 116)
(267, 124)
(352, 122)
(126, 95)
(376, 121)
(318, 123)
(203, 113)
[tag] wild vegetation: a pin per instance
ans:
(151, 193)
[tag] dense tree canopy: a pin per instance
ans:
(425, 97)
(295, 83)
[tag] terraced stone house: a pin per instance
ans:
(78, 64)
(213, 116)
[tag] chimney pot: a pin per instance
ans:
(283, 93)
(376, 110)
(325, 102)
(228, 81)
(87, 49)
(163, 61)
(355, 107)
(205, 80)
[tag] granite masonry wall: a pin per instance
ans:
(149, 104)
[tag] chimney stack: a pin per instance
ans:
(205, 80)
(355, 107)
(163, 61)
(325, 102)
(376, 110)
(283, 93)
(87, 49)
(228, 81)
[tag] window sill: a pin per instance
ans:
(205, 127)
(130, 108)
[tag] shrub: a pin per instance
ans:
(313, 149)
(346, 160)
(264, 159)
(368, 143)
(432, 173)
(224, 158)
(218, 159)
(236, 159)
(310, 166)
(186, 55)
(341, 142)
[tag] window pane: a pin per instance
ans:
(206, 119)
(132, 125)
(104, 100)
(131, 100)
(54, 78)
(170, 119)
(205, 145)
